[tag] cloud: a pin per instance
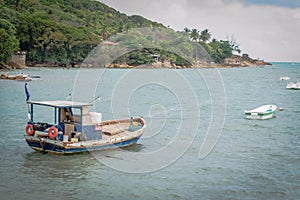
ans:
(286, 3)
(264, 31)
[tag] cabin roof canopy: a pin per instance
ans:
(60, 104)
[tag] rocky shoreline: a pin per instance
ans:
(160, 65)
(20, 77)
(157, 65)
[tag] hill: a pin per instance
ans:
(64, 32)
(59, 31)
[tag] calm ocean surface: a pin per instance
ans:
(251, 159)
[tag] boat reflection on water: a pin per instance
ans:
(134, 148)
(116, 153)
(65, 167)
(45, 165)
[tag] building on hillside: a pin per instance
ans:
(18, 59)
(155, 57)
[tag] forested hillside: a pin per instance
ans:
(63, 32)
(60, 31)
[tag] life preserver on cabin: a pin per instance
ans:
(52, 132)
(30, 129)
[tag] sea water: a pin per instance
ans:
(197, 144)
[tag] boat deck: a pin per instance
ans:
(115, 129)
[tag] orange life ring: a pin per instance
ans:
(30, 129)
(52, 132)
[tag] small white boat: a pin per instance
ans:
(293, 86)
(262, 112)
(285, 78)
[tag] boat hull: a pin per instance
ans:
(259, 116)
(60, 148)
(293, 86)
(263, 112)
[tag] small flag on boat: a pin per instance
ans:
(27, 92)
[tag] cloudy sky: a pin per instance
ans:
(266, 29)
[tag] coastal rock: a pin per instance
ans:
(4, 75)
(20, 77)
(244, 61)
(234, 61)
(4, 66)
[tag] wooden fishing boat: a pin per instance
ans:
(76, 130)
(262, 112)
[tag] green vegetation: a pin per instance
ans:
(145, 46)
(176, 47)
(247, 58)
(218, 50)
(66, 31)
(62, 31)
(8, 41)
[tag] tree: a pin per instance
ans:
(194, 34)
(246, 57)
(51, 43)
(219, 50)
(140, 58)
(205, 35)
(186, 30)
(8, 41)
(235, 46)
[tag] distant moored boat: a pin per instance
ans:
(285, 78)
(262, 112)
(293, 86)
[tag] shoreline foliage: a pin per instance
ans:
(66, 31)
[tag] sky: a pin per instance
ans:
(265, 29)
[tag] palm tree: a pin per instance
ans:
(235, 46)
(186, 30)
(205, 35)
(194, 34)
